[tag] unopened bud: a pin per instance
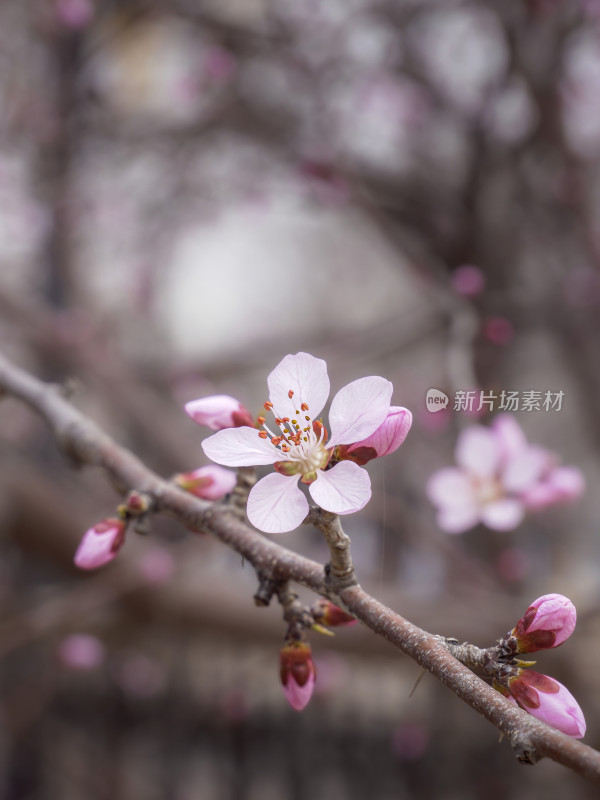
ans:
(548, 622)
(209, 483)
(297, 672)
(219, 411)
(327, 613)
(547, 699)
(100, 544)
(387, 438)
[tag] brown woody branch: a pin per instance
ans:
(81, 439)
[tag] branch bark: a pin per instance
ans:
(83, 441)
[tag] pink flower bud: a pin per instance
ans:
(219, 411)
(209, 483)
(100, 544)
(297, 672)
(548, 622)
(327, 613)
(548, 700)
(387, 438)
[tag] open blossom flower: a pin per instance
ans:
(297, 672)
(499, 477)
(548, 622)
(547, 699)
(100, 544)
(301, 447)
(219, 411)
(209, 482)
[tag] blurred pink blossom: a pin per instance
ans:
(469, 281)
(81, 651)
(157, 565)
(498, 330)
(75, 14)
(498, 478)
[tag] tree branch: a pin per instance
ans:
(81, 439)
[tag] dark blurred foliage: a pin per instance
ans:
(190, 190)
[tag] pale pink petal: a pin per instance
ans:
(390, 434)
(502, 515)
(358, 409)
(562, 485)
(306, 376)
(342, 489)
(240, 447)
(567, 482)
(509, 435)
(276, 504)
(296, 695)
(525, 468)
(478, 451)
(458, 519)
(451, 487)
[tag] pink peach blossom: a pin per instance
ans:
(301, 448)
(100, 544)
(210, 482)
(548, 700)
(219, 411)
(548, 622)
(499, 478)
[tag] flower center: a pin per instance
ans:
(301, 441)
(487, 490)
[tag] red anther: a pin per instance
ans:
(290, 394)
(263, 434)
(304, 407)
(261, 420)
(276, 440)
(268, 405)
(318, 424)
(285, 419)
(278, 421)
(285, 448)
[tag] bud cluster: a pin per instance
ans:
(547, 623)
(296, 667)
